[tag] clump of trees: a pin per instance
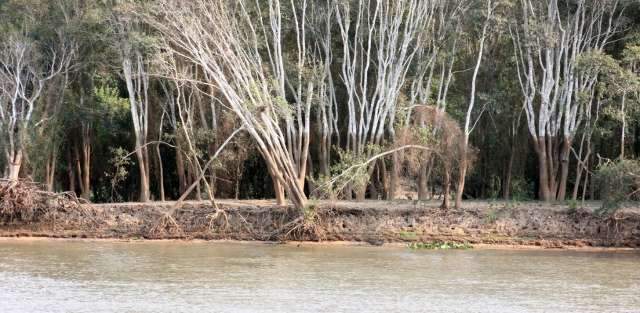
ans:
(167, 99)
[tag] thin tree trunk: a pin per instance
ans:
(462, 172)
(624, 126)
(70, 172)
(506, 188)
(394, 179)
(78, 167)
(447, 188)
(423, 182)
(182, 181)
(237, 180)
(564, 169)
(160, 173)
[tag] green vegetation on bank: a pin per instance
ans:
(439, 245)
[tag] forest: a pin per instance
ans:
(297, 100)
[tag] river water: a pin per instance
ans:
(96, 276)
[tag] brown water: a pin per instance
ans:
(86, 276)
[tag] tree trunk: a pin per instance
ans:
(182, 182)
(144, 179)
(462, 174)
(393, 181)
(78, 166)
(70, 172)
(237, 182)
(423, 182)
(361, 193)
(348, 192)
(624, 126)
(15, 163)
(580, 168)
(447, 188)
(50, 170)
(543, 172)
(160, 173)
(564, 169)
(86, 162)
(384, 177)
(278, 189)
(506, 188)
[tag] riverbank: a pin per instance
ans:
(372, 222)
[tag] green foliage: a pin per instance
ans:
(108, 97)
(439, 245)
(619, 181)
(572, 205)
(408, 235)
(352, 168)
(119, 161)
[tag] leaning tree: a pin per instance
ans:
(240, 48)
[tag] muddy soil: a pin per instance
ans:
(375, 222)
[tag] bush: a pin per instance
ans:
(618, 182)
(522, 190)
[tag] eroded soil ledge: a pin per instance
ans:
(376, 222)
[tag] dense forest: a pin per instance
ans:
(125, 100)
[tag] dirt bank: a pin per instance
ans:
(375, 222)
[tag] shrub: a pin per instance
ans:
(619, 182)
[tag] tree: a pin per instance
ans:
(488, 12)
(548, 40)
(631, 59)
(135, 63)
(223, 41)
(26, 66)
(379, 41)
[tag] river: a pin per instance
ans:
(102, 276)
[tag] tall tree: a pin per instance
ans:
(548, 40)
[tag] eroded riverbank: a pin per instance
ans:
(373, 222)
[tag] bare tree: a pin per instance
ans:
(225, 40)
(135, 73)
(469, 124)
(25, 69)
(380, 40)
(327, 112)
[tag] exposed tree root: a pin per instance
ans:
(220, 216)
(166, 227)
(308, 226)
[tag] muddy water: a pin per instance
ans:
(77, 276)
